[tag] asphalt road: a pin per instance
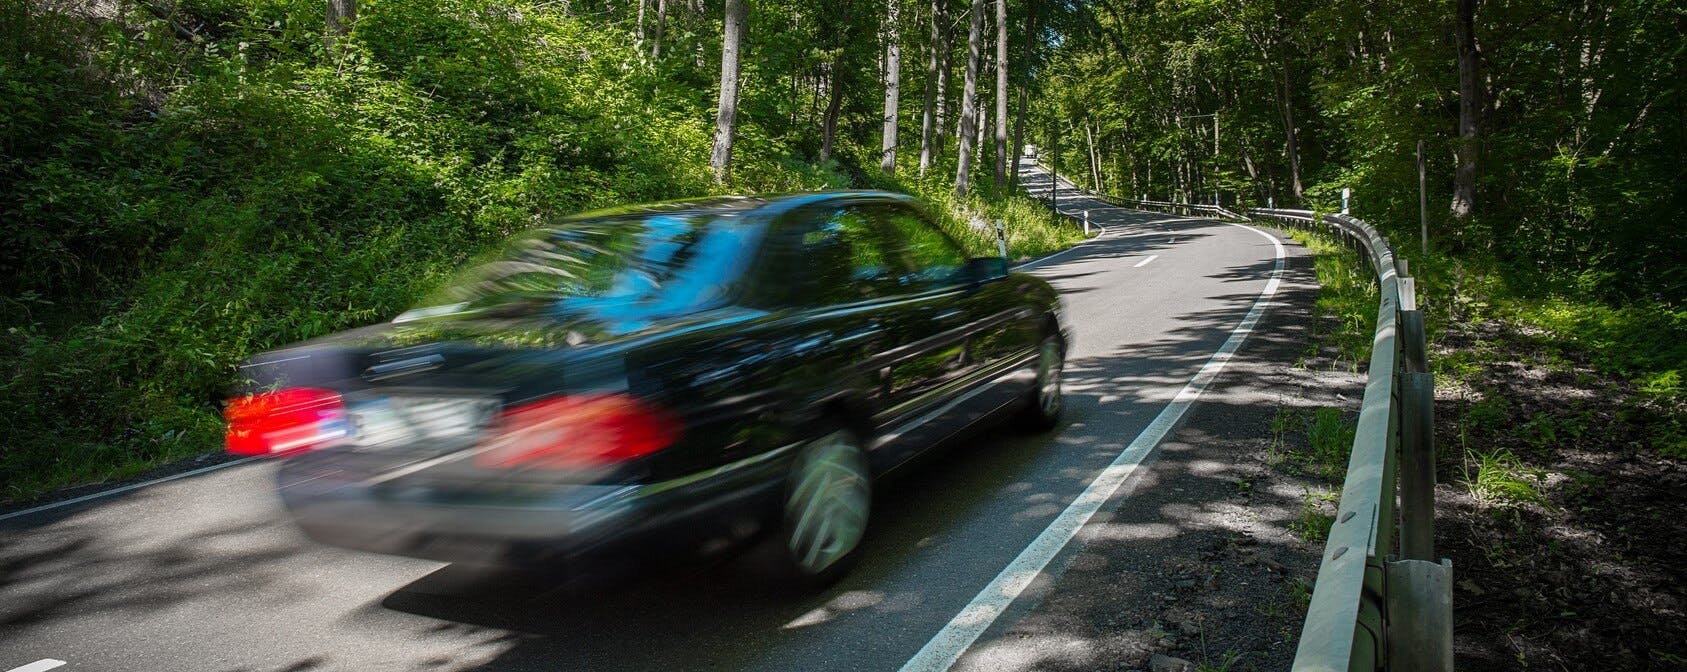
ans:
(203, 573)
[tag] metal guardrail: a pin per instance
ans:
(1381, 601)
(1186, 209)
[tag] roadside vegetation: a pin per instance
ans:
(187, 183)
(1559, 466)
(1552, 281)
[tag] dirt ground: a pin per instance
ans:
(1584, 565)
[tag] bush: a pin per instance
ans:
(174, 206)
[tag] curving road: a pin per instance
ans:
(202, 573)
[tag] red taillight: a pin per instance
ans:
(577, 432)
(284, 421)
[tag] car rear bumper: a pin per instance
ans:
(493, 524)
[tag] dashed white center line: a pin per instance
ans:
(38, 666)
(1144, 262)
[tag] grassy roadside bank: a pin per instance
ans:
(1559, 461)
(174, 205)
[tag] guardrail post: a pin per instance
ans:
(1412, 338)
(1417, 458)
(1420, 616)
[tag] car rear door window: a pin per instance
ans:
(850, 256)
(934, 259)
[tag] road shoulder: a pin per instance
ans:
(1204, 558)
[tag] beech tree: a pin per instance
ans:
(893, 86)
(969, 103)
(931, 119)
(726, 115)
(1001, 93)
(341, 14)
(1470, 110)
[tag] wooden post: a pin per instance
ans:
(1054, 169)
(1423, 206)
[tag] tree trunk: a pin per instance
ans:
(1024, 93)
(980, 149)
(829, 124)
(1470, 111)
(341, 15)
(1018, 136)
(941, 131)
(726, 116)
(638, 34)
(932, 117)
(1001, 94)
(1289, 130)
(893, 85)
(661, 26)
(1095, 159)
(969, 103)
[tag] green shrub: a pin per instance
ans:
(174, 206)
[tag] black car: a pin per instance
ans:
(651, 372)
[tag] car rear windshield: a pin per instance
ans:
(621, 268)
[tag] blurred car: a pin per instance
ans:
(650, 372)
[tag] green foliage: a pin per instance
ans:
(1500, 478)
(1312, 523)
(1331, 438)
(1031, 227)
(174, 205)
(1580, 172)
(1346, 307)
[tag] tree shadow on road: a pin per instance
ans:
(722, 615)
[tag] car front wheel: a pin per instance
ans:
(1046, 400)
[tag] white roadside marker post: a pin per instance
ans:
(1001, 238)
(1086, 223)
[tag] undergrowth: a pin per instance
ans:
(174, 206)
(1345, 313)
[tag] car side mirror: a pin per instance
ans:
(985, 269)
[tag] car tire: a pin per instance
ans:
(825, 508)
(1046, 400)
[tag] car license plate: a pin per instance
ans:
(391, 421)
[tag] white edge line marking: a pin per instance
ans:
(38, 666)
(116, 491)
(946, 647)
(1145, 262)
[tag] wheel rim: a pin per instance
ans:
(1049, 363)
(826, 512)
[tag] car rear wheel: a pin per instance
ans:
(1046, 400)
(828, 498)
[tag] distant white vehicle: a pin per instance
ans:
(1031, 151)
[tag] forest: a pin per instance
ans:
(186, 182)
(1546, 237)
